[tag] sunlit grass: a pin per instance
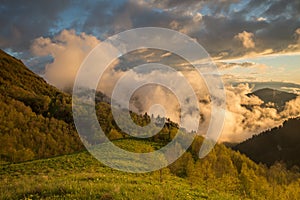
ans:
(80, 176)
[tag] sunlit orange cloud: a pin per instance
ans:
(68, 50)
(251, 55)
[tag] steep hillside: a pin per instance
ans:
(19, 83)
(278, 144)
(35, 117)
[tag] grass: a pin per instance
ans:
(80, 176)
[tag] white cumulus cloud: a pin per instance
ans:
(68, 50)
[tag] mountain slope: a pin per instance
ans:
(278, 144)
(35, 117)
(19, 83)
(223, 174)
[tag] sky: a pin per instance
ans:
(253, 42)
(259, 32)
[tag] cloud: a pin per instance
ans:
(228, 65)
(223, 45)
(246, 38)
(294, 90)
(192, 6)
(246, 117)
(242, 122)
(295, 46)
(272, 22)
(68, 50)
(22, 23)
(276, 32)
(261, 19)
(169, 87)
(292, 108)
(243, 72)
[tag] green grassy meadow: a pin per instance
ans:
(80, 176)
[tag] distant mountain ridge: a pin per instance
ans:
(279, 98)
(278, 144)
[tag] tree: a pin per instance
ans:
(114, 135)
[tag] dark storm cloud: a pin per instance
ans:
(21, 22)
(278, 35)
(213, 23)
(275, 32)
(174, 3)
(101, 16)
(282, 21)
(215, 5)
(219, 32)
(132, 14)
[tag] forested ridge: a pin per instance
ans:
(36, 118)
(280, 144)
(275, 97)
